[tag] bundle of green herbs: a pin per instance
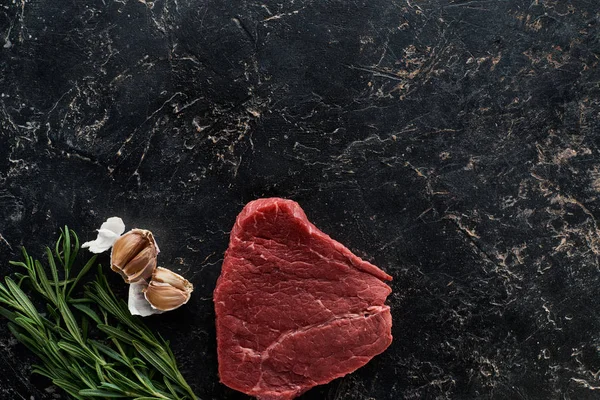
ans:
(87, 341)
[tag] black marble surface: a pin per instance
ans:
(452, 143)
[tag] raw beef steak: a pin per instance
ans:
(294, 308)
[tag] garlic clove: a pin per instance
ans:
(141, 266)
(134, 255)
(128, 246)
(167, 290)
(137, 303)
(164, 275)
(164, 297)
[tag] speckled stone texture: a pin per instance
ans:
(454, 144)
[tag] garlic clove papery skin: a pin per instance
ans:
(108, 234)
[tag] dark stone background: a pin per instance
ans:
(452, 143)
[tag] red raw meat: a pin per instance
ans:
(294, 308)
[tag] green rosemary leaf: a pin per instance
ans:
(107, 351)
(18, 264)
(112, 386)
(130, 384)
(6, 297)
(84, 328)
(138, 362)
(82, 375)
(152, 387)
(29, 326)
(81, 301)
(30, 271)
(69, 320)
(24, 303)
(103, 393)
(63, 333)
(116, 333)
(29, 343)
(76, 352)
(170, 388)
(67, 249)
(75, 246)
(148, 398)
(69, 387)
(57, 246)
(101, 292)
(102, 299)
(56, 357)
(52, 312)
(40, 370)
(6, 313)
(146, 381)
(156, 360)
(167, 348)
(62, 282)
(44, 282)
(81, 274)
(20, 278)
(89, 312)
(25, 255)
(55, 281)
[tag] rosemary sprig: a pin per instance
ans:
(89, 346)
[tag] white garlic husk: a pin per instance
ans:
(108, 234)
